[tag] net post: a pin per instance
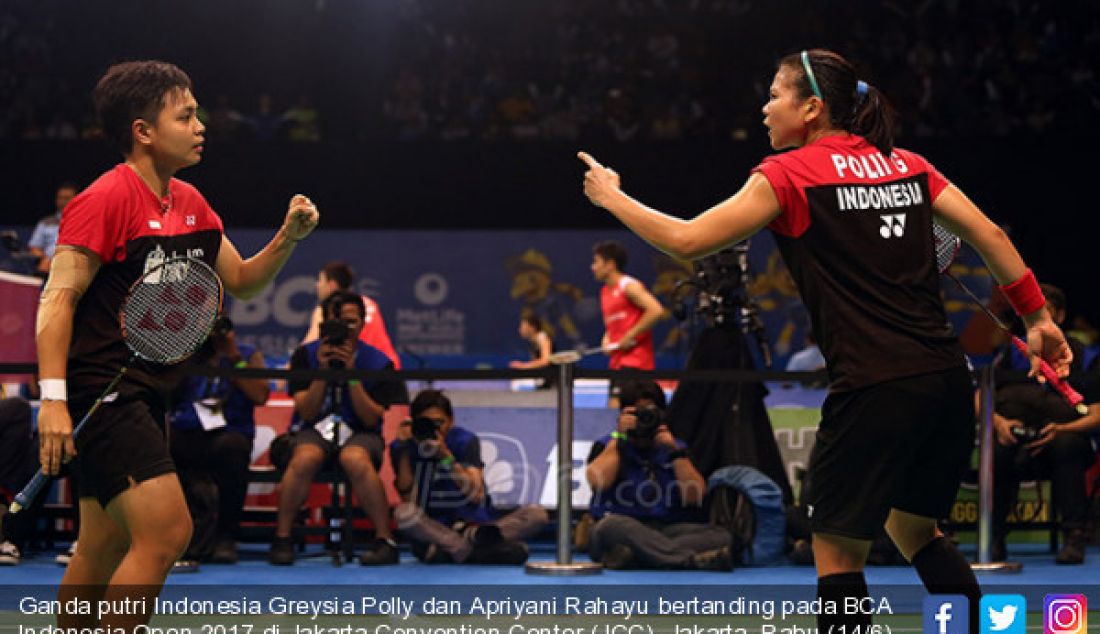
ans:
(564, 566)
(987, 388)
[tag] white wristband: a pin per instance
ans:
(53, 390)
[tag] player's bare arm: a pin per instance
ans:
(956, 213)
(652, 308)
(246, 278)
(71, 272)
(728, 222)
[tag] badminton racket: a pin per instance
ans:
(166, 316)
(947, 247)
(576, 354)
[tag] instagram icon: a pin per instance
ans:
(1065, 614)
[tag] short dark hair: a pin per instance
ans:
(428, 399)
(134, 90)
(634, 391)
(1056, 297)
(613, 251)
(338, 271)
(333, 303)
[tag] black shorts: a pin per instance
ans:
(124, 443)
(903, 444)
(371, 442)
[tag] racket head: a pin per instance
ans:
(170, 310)
(947, 247)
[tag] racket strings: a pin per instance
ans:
(947, 247)
(170, 310)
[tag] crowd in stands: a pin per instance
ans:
(625, 70)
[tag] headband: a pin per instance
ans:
(810, 74)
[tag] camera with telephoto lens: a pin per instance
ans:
(649, 419)
(424, 428)
(1026, 434)
(334, 332)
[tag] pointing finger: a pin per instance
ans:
(587, 158)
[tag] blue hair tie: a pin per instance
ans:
(861, 89)
(810, 74)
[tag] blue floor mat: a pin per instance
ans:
(253, 569)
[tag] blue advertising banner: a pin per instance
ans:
(453, 299)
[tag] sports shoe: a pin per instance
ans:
(383, 553)
(9, 554)
(63, 558)
(717, 559)
(433, 554)
(225, 551)
(502, 553)
(1073, 552)
(282, 552)
(485, 535)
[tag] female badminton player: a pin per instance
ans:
(134, 522)
(852, 216)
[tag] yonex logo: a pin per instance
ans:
(893, 225)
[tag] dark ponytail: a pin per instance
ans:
(863, 112)
(874, 120)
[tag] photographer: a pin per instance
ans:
(338, 276)
(212, 429)
(341, 420)
(1040, 436)
(647, 495)
(445, 509)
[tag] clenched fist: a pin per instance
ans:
(301, 218)
(601, 184)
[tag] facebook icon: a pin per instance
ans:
(946, 614)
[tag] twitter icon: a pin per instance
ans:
(1004, 614)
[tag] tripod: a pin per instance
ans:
(340, 540)
(726, 423)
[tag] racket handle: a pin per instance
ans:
(24, 498)
(1065, 389)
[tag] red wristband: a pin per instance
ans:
(1024, 294)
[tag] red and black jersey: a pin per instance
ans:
(856, 234)
(120, 219)
(620, 314)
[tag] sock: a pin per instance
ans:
(944, 570)
(834, 589)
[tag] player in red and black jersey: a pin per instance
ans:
(853, 219)
(134, 520)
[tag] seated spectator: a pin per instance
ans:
(18, 462)
(338, 276)
(445, 509)
(339, 421)
(43, 241)
(212, 429)
(302, 121)
(648, 496)
(1040, 436)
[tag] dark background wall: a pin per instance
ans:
(467, 113)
